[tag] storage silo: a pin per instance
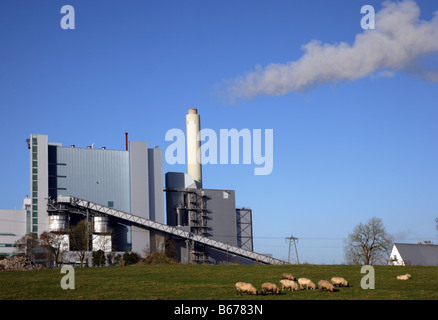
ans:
(101, 224)
(58, 223)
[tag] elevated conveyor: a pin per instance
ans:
(85, 204)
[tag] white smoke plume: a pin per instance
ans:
(399, 42)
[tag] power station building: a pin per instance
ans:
(127, 180)
(121, 193)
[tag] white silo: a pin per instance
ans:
(58, 223)
(101, 224)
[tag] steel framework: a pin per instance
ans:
(244, 228)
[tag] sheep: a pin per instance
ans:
(339, 281)
(404, 277)
(288, 284)
(325, 285)
(270, 287)
(306, 282)
(242, 287)
(287, 276)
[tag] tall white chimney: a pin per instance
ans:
(193, 125)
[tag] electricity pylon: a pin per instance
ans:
(295, 259)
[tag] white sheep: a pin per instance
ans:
(404, 277)
(288, 284)
(325, 285)
(270, 287)
(338, 281)
(242, 287)
(287, 276)
(306, 282)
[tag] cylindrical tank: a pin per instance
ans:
(193, 125)
(101, 224)
(57, 222)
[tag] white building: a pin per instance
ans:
(423, 254)
(13, 227)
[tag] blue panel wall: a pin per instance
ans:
(98, 175)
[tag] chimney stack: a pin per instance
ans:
(193, 125)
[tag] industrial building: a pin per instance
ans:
(121, 193)
(127, 180)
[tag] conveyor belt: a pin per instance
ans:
(73, 201)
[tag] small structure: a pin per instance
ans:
(420, 254)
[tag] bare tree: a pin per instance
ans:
(80, 238)
(56, 243)
(368, 244)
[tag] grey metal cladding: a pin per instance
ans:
(222, 205)
(139, 177)
(102, 176)
(156, 195)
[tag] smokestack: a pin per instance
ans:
(126, 140)
(193, 124)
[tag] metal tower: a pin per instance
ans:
(295, 259)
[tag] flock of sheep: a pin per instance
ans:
(288, 283)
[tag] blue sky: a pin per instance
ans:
(345, 150)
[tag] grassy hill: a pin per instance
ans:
(213, 282)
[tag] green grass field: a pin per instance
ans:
(213, 282)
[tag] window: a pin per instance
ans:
(34, 185)
(7, 245)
